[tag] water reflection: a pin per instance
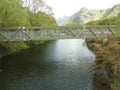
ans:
(57, 65)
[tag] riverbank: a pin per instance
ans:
(107, 61)
(7, 48)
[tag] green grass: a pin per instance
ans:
(11, 47)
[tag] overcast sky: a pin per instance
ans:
(69, 7)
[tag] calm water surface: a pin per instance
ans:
(56, 65)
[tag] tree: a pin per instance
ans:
(13, 14)
(38, 5)
(41, 19)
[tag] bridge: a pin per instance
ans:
(56, 32)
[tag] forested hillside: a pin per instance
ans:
(15, 13)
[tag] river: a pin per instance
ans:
(56, 65)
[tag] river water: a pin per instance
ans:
(56, 65)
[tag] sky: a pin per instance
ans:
(69, 7)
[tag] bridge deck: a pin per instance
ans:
(56, 32)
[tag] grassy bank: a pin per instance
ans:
(7, 48)
(107, 52)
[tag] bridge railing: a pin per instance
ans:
(56, 32)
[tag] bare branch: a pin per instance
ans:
(38, 5)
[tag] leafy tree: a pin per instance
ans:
(13, 14)
(41, 19)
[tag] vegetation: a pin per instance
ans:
(12, 13)
(116, 84)
(41, 19)
(74, 24)
(15, 13)
(107, 51)
(107, 57)
(106, 21)
(38, 5)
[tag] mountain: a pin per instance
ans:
(62, 20)
(85, 15)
